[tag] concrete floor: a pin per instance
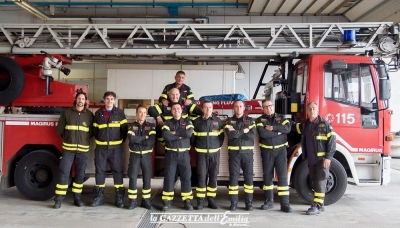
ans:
(359, 207)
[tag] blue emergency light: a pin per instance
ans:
(349, 37)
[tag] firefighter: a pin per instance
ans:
(163, 112)
(141, 135)
(208, 136)
(273, 129)
(75, 127)
(110, 128)
(187, 96)
(319, 145)
(241, 131)
(177, 132)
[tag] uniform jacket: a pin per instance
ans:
(324, 138)
(238, 141)
(138, 143)
(185, 91)
(76, 129)
(180, 141)
(271, 139)
(208, 134)
(112, 133)
(164, 111)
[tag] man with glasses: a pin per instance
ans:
(272, 129)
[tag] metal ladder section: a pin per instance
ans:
(211, 42)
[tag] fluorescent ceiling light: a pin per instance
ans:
(33, 10)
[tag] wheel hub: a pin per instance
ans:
(41, 175)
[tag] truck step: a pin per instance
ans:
(369, 181)
(366, 164)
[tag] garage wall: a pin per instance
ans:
(147, 81)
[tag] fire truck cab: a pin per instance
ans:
(353, 94)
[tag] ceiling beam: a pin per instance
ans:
(308, 7)
(265, 7)
(279, 8)
(338, 7)
(323, 8)
(294, 7)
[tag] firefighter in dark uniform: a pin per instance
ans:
(163, 112)
(319, 145)
(273, 129)
(177, 132)
(75, 127)
(187, 96)
(110, 128)
(208, 136)
(241, 131)
(141, 135)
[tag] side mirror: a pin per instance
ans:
(384, 89)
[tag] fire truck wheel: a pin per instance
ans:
(12, 80)
(335, 188)
(35, 175)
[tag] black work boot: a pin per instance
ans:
(77, 200)
(167, 205)
(314, 209)
(188, 205)
(119, 197)
(146, 204)
(212, 204)
(268, 204)
(285, 206)
(200, 203)
(233, 206)
(132, 204)
(57, 201)
(99, 200)
(249, 205)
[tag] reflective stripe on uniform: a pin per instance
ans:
(233, 190)
(140, 152)
(319, 194)
(76, 128)
(180, 149)
(248, 188)
(158, 109)
(317, 200)
(192, 108)
(320, 154)
(109, 143)
(205, 133)
(273, 147)
(268, 187)
(205, 150)
(243, 147)
(252, 126)
(298, 128)
(285, 121)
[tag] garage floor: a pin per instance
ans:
(359, 207)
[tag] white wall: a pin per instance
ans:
(145, 81)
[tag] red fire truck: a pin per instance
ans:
(352, 92)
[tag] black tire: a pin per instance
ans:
(336, 186)
(12, 80)
(36, 175)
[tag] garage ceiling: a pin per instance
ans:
(353, 10)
